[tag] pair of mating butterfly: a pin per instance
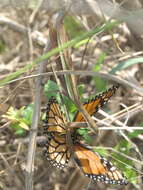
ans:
(57, 150)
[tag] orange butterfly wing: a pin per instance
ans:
(55, 119)
(56, 151)
(96, 167)
(93, 105)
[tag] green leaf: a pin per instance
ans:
(125, 147)
(126, 64)
(51, 89)
(135, 133)
(99, 62)
(107, 26)
(82, 42)
(84, 133)
(20, 132)
(73, 26)
(28, 114)
(101, 151)
(21, 119)
(99, 82)
(81, 89)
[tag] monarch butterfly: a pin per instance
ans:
(57, 151)
(55, 118)
(91, 163)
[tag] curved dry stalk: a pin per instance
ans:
(33, 132)
(106, 76)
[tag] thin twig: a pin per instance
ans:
(106, 76)
(35, 120)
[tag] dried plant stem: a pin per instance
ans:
(87, 73)
(35, 120)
